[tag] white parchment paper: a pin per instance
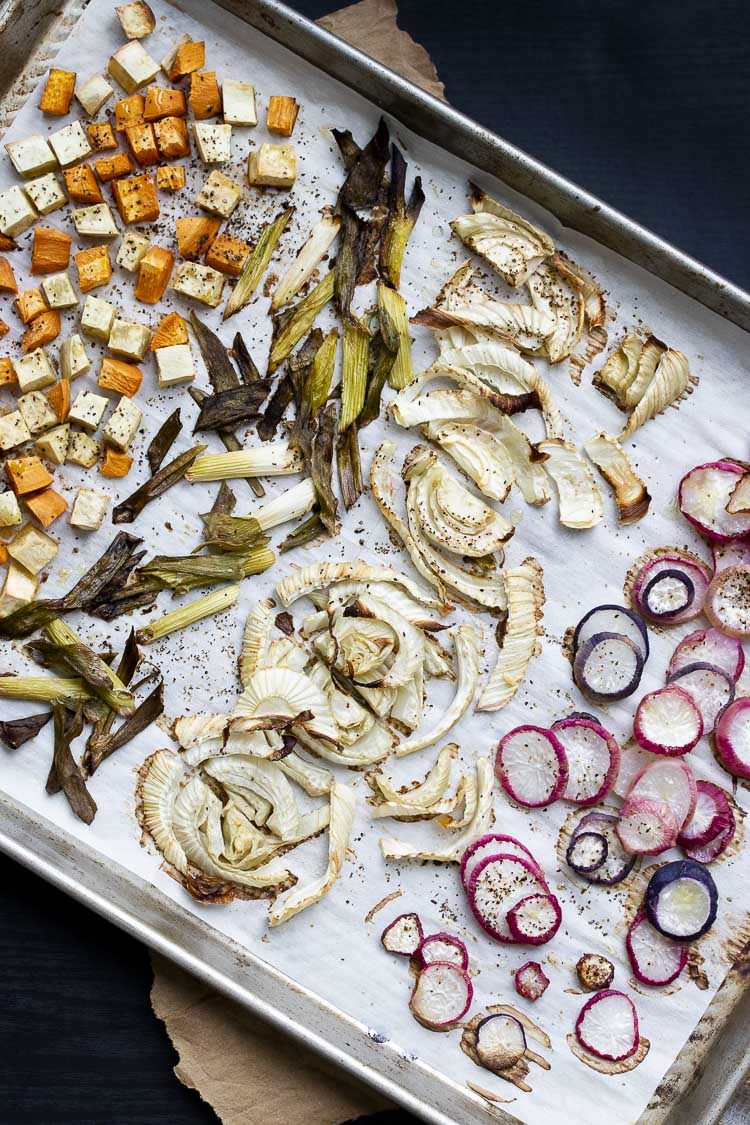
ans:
(330, 949)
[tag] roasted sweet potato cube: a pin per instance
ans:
(42, 331)
(170, 177)
(205, 95)
(117, 375)
(228, 255)
(142, 143)
(282, 115)
(46, 506)
(163, 102)
(136, 199)
(8, 375)
(59, 399)
(129, 111)
(51, 250)
(101, 136)
(4, 556)
(4, 329)
(172, 137)
(27, 474)
(58, 92)
(30, 303)
(154, 273)
(81, 184)
(7, 244)
(172, 329)
(195, 235)
(188, 58)
(8, 282)
(94, 267)
(115, 464)
(112, 167)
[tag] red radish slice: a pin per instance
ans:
(670, 780)
(618, 864)
(710, 689)
(494, 843)
(711, 817)
(703, 496)
(667, 721)
(633, 761)
(728, 601)
(496, 885)
(531, 766)
(403, 935)
(501, 1041)
(733, 553)
(444, 947)
(442, 996)
(613, 619)
(607, 667)
(647, 827)
(673, 560)
(655, 959)
(593, 758)
(710, 851)
(587, 852)
(608, 1026)
(709, 646)
(732, 738)
(535, 919)
(531, 981)
(668, 594)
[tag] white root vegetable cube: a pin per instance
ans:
(132, 249)
(203, 283)
(10, 509)
(214, 142)
(96, 221)
(73, 358)
(13, 430)
(53, 445)
(238, 100)
(97, 318)
(37, 412)
(83, 450)
(219, 195)
(133, 67)
(70, 144)
(272, 166)
(19, 589)
(46, 193)
(87, 410)
(32, 548)
(136, 18)
(89, 509)
(59, 291)
(123, 424)
(34, 371)
(174, 364)
(17, 213)
(129, 339)
(32, 156)
(93, 94)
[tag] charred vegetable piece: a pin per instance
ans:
(531, 766)
(310, 529)
(257, 263)
(232, 407)
(654, 958)
(219, 368)
(163, 440)
(65, 773)
(84, 662)
(295, 322)
(531, 981)
(359, 193)
(164, 479)
(682, 900)
(442, 996)
(249, 373)
(229, 440)
(402, 218)
(382, 352)
(595, 972)
(14, 732)
(321, 466)
(100, 746)
(501, 1042)
(403, 935)
(608, 1026)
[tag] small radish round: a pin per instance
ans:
(670, 780)
(497, 883)
(732, 738)
(647, 827)
(535, 919)
(633, 760)
(587, 851)
(442, 995)
(531, 981)
(703, 496)
(712, 849)
(495, 843)
(671, 562)
(531, 766)
(501, 1041)
(595, 972)
(682, 900)
(667, 721)
(613, 619)
(444, 947)
(709, 646)
(711, 817)
(607, 667)
(618, 864)
(593, 758)
(667, 594)
(655, 959)
(710, 689)
(403, 935)
(608, 1026)
(727, 604)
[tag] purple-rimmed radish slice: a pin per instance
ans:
(667, 721)
(495, 843)
(670, 780)
(727, 604)
(497, 883)
(501, 1041)
(531, 981)
(587, 851)
(618, 864)
(607, 667)
(403, 935)
(646, 826)
(585, 715)
(442, 995)
(593, 758)
(681, 900)
(668, 594)
(655, 959)
(608, 1026)
(444, 947)
(613, 619)
(531, 766)
(535, 919)
(732, 738)
(712, 816)
(709, 646)
(670, 561)
(710, 689)
(712, 849)
(703, 496)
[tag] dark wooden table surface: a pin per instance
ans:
(644, 104)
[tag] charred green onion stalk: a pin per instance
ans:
(295, 322)
(189, 614)
(103, 681)
(257, 263)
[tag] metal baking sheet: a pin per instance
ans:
(189, 936)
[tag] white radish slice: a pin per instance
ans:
(667, 721)
(531, 766)
(608, 1026)
(607, 667)
(703, 496)
(709, 646)
(655, 959)
(442, 996)
(712, 816)
(531, 980)
(403, 935)
(727, 603)
(633, 760)
(444, 947)
(593, 760)
(670, 780)
(535, 919)
(613, 619)
(646, 827)
(497, 884)
(501, 1041)
(732, 738)
(495, 843)
(710, 689)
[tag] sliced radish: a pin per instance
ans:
(607, 667)
(710, 689)
(670, 780)
(667, 721)
(613, 619)
(667, 594)
(732, 738)
(495, 843)
(593, 758)
(587, 852)
(582, 715)
(501, 1041)
(712, 849)
(739, 501)
(535, 919)
(709, 646)
(681, 900)
(531, 980)
(711, 817)
(655, 959)
(531, 766)
(703, 496)
(647, 827)
(633, 760)
(608, 1026)
(442, 995)
(444, 947)
(733, 553)
(595, 972)
(670, 563)
(403, 935)
(618, 864)
(496, 885)
(728, 601)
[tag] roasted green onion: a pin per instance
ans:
(381, 358)
(65, 773)
(183, 573)
(44, 689)
(163, 440)
(307, 260)
(14, 732)
(321, 469)
(354, 352)
(248, 371)
(290, 326)
(309, 529)
(233, 407)
(261, 461)
(102, 743)
(401, 220)
(392, 303)
(257, 263)
(349, 466)
(189, 614)
(103, 681)
(229, 440)
(318, 383)
(169, 475)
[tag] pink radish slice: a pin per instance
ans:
(712, 849)
(655, 959)
(667, 721)
(444, 947)
(495, 843)
(535, 919)
(496, 885)
(531, 981)
(710, 689)
(709, 646)
(633, 760)
(608, 1026)
(732, 738)
(593, 758)
(618, 864)
(733, 553)
(646, 827)
(711, 817)
(403, 935)
(728, 601)
(696, 574)
(670, 780)
(703, 496)
(442, 995)
(531, 766)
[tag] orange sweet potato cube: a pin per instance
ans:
(7, 243)
(129, 111)
(42, 331)
(170, 177)
(227, 255)
(112, 167)
(115, 464)
(116, 375)
(142, 143)
(51, 250)
(30, 303)
(59, 399)
(46, 506)
(195, 235)
(8, 374)
(136, 199)
(4, 329)
(188, 58)
(154, 273)
(27, 474)
(81, 184)
(171, 329)
(162, 102)
(101, 136)
(8, 282)
(282, 115)
(4, 556)
(94, 267)
(205, 95)
(58, 92)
